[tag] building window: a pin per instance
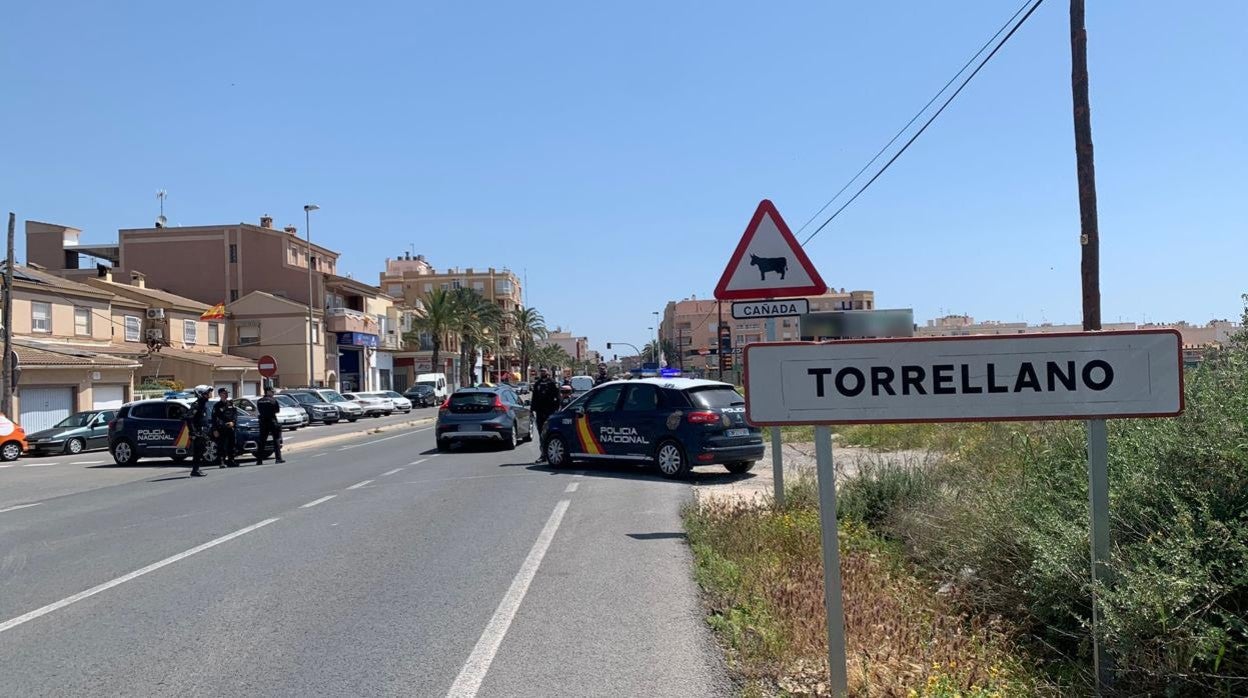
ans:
(248, 334)
(478, 286)
(428, 288)
(395, 290)
(133, 327)
(233, 295)
(503, 287)
(82, 322)
(233, 253)
(188, 331)
(40, 317)
(316, 333)
(214, 334)
(457, 284)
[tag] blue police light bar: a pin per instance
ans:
(669, 373)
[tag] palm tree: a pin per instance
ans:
(528, 327)
(439, 318)
(479, 323)
(651, 351)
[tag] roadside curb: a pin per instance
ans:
(331, 440)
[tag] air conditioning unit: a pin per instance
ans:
(157, 335)
(155, 313)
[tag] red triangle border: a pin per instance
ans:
(817, 287)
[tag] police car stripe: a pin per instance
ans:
(588, 442)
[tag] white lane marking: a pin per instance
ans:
(418, 462)
(10, 465)
(20, 506)
(37, 465)
(314, 502)
(377, 441)
(14, 622)
(391, 472)
(470, 677)
(572, 486)
(360, 484)
(317, 455)
(89, 462)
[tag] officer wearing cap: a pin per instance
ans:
(198, 422)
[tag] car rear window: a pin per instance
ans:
(472, 400)
(716, 397)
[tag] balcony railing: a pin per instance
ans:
(347, 320)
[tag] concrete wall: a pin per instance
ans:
(62, 316)
(45, 243)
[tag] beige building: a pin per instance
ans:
(692, 325)
(411, 278)
(963, 325)
(263, 324)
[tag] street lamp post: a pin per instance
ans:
(658, 345)
(307, 224)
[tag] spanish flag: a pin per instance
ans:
(216, 312)
(184, 438)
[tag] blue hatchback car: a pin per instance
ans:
(674, 423)
(150, 429)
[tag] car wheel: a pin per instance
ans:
(124, 453)
(671, 460)
(352, 419)
(10, 451)
(210, 453)
(528, 438)
(74, 446)
(740, 467)
(512, 439)
(557, 453)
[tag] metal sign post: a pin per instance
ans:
(832, 602)
(1098, 500)
(777, 458)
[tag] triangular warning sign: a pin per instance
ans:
(768, 262)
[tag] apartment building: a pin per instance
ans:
(692, 325)
(410, 279)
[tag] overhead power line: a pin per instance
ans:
(929, 121)
(916, 116)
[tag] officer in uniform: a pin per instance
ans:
(545, 403)
(197, 423)
(268, 407)
(224, 417)
(602, 376)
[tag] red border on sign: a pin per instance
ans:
(817, 287)
(267, 373)
(963, 338)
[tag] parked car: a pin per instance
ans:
(401, 404)
(76, 433)
(674, 423)
(348, 409)
(581, 385)
(371, 406)
(523, 388)
(288, 416)
(316, 407)
(437, 381)
(153, 429)
(484, 414)
(12, 439)
(421, 396)
(288, 401)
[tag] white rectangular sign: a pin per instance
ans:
(959, 379)
(745, 310)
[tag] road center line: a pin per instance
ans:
(10, 465)
(360, 484)
(418, 462)
(572, 486)
(470, 677)
(314, 502)
(89, 462)
(318, 455)
(20, 506)
(391, 472)
(13, 623)
(37, 465)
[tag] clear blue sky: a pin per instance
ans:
(615, 151)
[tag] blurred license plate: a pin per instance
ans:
(470, 427)
(733, 433)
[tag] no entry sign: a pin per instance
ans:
(267, 366)
(952, 379)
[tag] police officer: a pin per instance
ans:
(198, 423)
(268, 407)
(545, 403)
(602, 376)
(224, 417)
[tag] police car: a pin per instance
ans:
(675, 423)
(153, 429)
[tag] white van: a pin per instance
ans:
(437, 381)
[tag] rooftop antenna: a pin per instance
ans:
(161, 220)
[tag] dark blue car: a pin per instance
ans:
(674, 423)
(151, 429)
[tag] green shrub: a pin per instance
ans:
(881, 487)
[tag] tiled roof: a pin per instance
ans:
(31, 355)
(137, 349)
(157, 296)
(38, 277)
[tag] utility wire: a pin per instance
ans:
(915, 137)
(916, 116)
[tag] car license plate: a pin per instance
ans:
(470, 427)
(734, 433)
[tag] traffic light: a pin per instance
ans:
(608, 345)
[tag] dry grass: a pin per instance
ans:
(762, 571)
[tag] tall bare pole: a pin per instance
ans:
(1090, 274)
(1089, 238)
(8, 323)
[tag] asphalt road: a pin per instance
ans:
(374, 567)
